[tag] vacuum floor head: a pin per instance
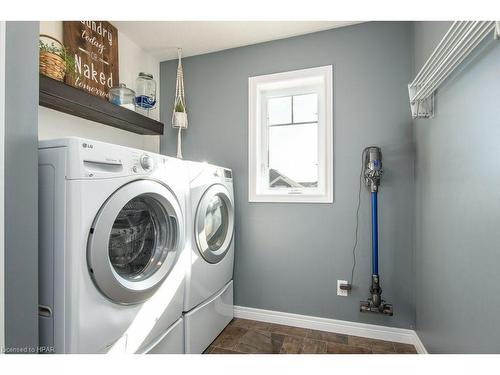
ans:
(375, 303)
(383, 308)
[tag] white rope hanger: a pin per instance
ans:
(179, 114)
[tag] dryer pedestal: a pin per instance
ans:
(206, 321)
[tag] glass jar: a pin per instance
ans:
(123, 96)
(145, 93)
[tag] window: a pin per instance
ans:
(290, 136)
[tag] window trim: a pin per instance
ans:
(257, 141)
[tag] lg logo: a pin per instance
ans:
(87, 145)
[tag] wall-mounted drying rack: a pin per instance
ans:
(458, 42)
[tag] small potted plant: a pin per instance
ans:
(55, 60)
(180, 115)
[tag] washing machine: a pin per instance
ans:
(111, 249)
(208, 302)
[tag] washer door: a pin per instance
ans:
(135, 241)
(214, 223)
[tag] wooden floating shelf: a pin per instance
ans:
(65, 98)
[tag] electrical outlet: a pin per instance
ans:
(340, 292)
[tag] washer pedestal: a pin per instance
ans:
(171, 342)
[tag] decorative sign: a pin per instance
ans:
(94, 45)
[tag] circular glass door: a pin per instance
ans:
(214, 224)
(138, 240)
(134, 241)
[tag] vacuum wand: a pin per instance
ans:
(372, 174)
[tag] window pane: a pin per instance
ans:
(305, 108)
(293, 156)
(280, 110)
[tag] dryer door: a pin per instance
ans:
(135, 241)
(214, 223)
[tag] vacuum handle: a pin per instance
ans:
(374, 233)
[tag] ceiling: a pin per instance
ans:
(161, 38)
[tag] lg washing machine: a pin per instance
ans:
(112, 249)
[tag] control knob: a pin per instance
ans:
(146, 162)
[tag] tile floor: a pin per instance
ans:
(243, 336)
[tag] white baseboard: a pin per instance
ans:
(419, 345)
(406, 336)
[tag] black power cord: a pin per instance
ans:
(357, 222)
(349, 286)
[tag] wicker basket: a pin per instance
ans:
(50, 64)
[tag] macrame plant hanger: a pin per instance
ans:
(179, 115)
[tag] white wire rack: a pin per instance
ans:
(458, 42)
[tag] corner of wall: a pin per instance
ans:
(2, 184)
(21, 185)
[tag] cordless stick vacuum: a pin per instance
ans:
(372, 173)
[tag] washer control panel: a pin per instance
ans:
(94, 159)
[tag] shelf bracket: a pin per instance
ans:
(423, 108)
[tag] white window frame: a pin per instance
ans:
(260, 88)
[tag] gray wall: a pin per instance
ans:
(289, 256)
(21, 179)
(458, 205)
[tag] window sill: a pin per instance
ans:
(292, 198)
